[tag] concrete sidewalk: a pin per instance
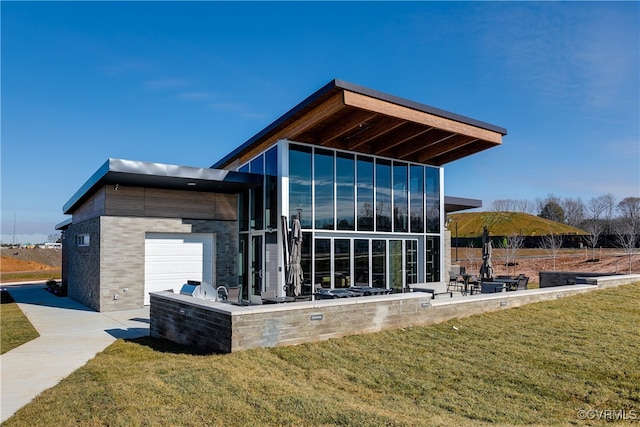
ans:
(70, 335)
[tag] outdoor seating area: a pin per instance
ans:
(473, 284)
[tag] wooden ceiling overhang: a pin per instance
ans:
(349, 117)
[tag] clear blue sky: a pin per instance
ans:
(185, 83)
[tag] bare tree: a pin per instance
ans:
(574, 211)
(627, 227)
(594, 224)
(511, 245)
(551, 243)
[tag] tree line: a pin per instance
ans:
(599, 216)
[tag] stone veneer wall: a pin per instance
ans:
(82, 264)
(109, 274)
(216, 327)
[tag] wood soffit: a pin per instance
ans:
(355, 121)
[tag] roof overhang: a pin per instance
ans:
(349, 117)
(159, 175)
(455, 204)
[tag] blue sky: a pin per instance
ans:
(185, 83)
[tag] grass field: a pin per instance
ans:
(15, 328)
(550, 363)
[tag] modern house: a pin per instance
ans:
(362, 170)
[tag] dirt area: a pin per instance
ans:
(531, 261)
(21, 260)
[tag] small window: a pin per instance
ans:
(82, 240)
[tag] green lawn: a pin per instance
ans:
(15, 328)
(540, 364)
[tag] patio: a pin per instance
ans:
(223, 328)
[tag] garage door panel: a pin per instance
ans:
(172, 259)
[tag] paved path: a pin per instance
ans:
(70, 335)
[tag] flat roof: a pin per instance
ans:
(350, 117)
(159, 175)
(455, 204)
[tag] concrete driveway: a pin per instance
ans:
(70, 335)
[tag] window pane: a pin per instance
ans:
(400, 197)
(323, 167)
(342, 263)
(257, 196)
(379, 261)
(243, 204)
(271, 182)
(433, 199)
(395, 264)
(383, 195)
(411, 259)
(362, 262)
(365, 193)
(345, 197)
(323, 263)
(416, 188)
(305, 263)
(300, 183)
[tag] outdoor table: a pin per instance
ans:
(465, 278)
(368, 290)
(278, 300)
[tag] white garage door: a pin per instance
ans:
(171, 259)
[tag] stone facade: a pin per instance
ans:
(109, 274)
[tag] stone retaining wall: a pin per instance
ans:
(223, 328)
(560, 278)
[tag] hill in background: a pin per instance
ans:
(470, 225)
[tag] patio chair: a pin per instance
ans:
(523, 283)
(456, 282)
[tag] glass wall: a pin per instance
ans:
(395, 264)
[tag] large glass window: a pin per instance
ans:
(379, 263)
(432, 189)
(300, 183)
(383, 195)
(361, 263)
(257, 196)
(323, 182)
(271, 183)
(400, 198)
(365, 193)
(345, 191)
(323, 263)
(416, 190)
(342, 263)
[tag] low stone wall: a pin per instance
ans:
(223, 328)
(560, 278)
